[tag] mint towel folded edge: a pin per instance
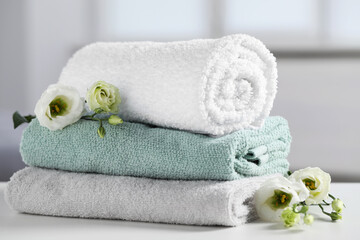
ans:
(139, 150)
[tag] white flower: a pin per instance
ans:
(105, 96)
(275, 195)
(59, 106)
(316, 181)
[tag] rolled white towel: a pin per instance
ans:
(211, 86)
(69, 194)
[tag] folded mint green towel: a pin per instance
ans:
(134, 149)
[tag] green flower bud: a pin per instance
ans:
(101, 131)
(105, 96)
(308, 219)
(289, 217)
(337, 205)
(335, 216)
(115, 120)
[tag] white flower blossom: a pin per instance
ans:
(275, 195)
(104, 96)
(59, 106)
(316, 181)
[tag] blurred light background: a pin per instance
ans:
(316, 42)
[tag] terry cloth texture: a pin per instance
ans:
(59, 193)
(210, 86)
(139, 150)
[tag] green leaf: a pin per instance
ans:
(18, 119)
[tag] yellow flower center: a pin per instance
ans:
(58, 107)
(279, 200)
(310, 184)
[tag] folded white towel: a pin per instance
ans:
(58, 193)
(211, 86)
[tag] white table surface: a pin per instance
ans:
(14, 225)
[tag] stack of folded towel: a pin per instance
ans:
(197, 143)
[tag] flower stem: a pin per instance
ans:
(101, 130)
(91, 118)
(333, 198)
(322, 209)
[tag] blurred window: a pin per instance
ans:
(278, 22)
(344, 22)
(153, 20)
(296, 23)
(281, 24)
